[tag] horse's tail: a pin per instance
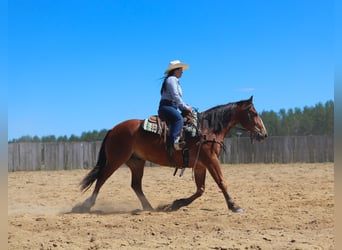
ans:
(92, 176)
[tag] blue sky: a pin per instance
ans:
(76, 66)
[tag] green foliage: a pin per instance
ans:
(317, 120)
(86, 136)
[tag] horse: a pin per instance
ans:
(127, 143)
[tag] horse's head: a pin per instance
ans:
(250, 120)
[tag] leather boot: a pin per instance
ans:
(179, 144)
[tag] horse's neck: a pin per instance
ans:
(219, 136)
(218, 125)
(227, 129)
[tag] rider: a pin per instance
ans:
(171, 101)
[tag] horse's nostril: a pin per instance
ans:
(266, 135)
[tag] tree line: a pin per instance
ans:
(316, 120)
(85, 136)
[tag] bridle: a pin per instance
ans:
(256, 133)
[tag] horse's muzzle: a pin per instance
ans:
(258, 136)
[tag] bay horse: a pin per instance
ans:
(127, 143)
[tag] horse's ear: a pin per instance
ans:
(248, 104)
(250, 100)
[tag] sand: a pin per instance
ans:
(286, 207)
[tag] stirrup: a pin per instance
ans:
(179, 144)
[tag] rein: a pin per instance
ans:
(221, 143)
(202, 141)
(240, 128)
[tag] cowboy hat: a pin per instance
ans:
(175, 65)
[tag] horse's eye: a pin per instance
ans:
(252, 115)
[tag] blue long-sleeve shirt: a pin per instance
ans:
(173, 92)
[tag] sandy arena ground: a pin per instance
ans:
(286, 207)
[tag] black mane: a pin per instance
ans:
(217, 118)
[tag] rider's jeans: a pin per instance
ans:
(173, 119)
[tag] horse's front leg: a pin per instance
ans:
(200, 173)
(215, 171)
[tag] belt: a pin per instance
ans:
(165, 102)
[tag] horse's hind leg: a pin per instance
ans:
(200, 173)
(102, 178)
(136, 166)
(103, 175)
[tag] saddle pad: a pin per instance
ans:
(151, 125)
(191, 127)
(191, 130)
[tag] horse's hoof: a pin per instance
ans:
(137, 212)
(238, 210)
(80, 209)
(164, 208)
(149, 209)
(177, 204)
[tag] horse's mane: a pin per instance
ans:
(217, 118)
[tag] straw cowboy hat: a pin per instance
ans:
(174, 65)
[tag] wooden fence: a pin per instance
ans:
(75, 155)
(282, 149)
